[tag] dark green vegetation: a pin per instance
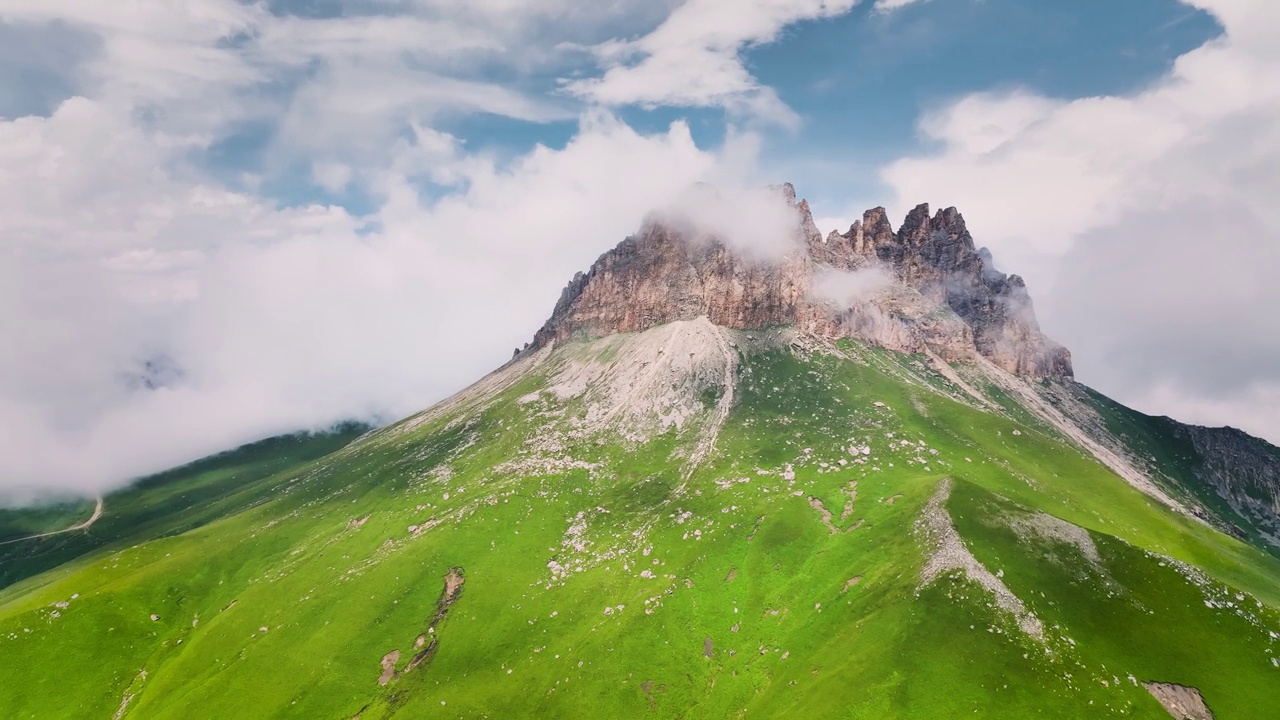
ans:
(169, 503)
(611, 570)
(1195, 472)
(49, 517)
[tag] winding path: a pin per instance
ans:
(97, 513)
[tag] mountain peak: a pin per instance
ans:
(928, 289)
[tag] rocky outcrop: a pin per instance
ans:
(659, 276)
(937, 257)
(1183, 703)
(1242, 470)
(948, 299)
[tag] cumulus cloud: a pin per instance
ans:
(885, 6)
(277, 318)
(156, 310)
(1145, 224)
(755, 221)
(693, 58)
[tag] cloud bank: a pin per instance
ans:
(275, 318)
(224, 220)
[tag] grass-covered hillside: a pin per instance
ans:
(687, 522)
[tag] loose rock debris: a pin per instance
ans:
(949, 553)
(1182, 702)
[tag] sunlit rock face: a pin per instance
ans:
(923, 288)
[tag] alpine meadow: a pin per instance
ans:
(852, 479)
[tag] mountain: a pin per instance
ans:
(948, 300)
(851, 479)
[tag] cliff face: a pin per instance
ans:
(945, 298)
(1242, 470)
(937, 257)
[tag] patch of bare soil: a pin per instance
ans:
(733, 573)
(828, 518)
(389, 667)
(707, 648)
(1182, 702)
(453, 582)
(755, 529)
(852, 581)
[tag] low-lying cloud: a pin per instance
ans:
(151, 318)
(849, 288)
(757, 222)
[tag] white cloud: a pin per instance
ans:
(848, 288)
(885, 6)
(118, 249)
(755, 221)
(278, 318)
(693, 58)
(1146, 224)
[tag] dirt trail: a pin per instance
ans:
(97, 513)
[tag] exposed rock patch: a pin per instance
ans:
(1048, 527)
(948, 552)
(647, 383)
(1182, 702)
(1242, 470)
(453, 583)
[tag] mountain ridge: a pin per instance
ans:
(938, 294)
(945, 295)
(652, 514)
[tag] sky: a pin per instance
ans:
(222, 220)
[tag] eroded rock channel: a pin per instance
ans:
(426, 644)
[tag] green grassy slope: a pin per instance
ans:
(1164, 443)
(169, 503)
(51, 516)
(605, 577)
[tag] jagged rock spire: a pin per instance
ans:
(659, 276)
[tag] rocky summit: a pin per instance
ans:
(948, 299)
(823, 477)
